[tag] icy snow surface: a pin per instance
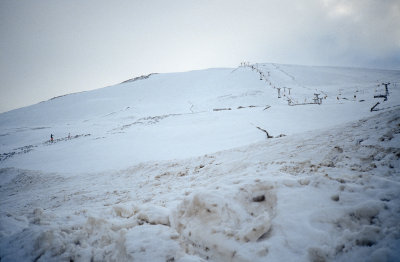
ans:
(177, 167)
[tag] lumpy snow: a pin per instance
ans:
(264, 162)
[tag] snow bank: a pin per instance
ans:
(216, 224)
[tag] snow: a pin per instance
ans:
(173, 168)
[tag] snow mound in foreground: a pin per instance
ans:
(215, 224)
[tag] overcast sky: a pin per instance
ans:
(51, 47)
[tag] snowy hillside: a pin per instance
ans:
(171, 116)
(178, 167)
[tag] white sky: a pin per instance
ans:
(53, 47)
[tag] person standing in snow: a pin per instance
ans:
(51, 137)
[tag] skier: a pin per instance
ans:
(51, 137)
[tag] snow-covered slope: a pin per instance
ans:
(177, 167)
(169, 116)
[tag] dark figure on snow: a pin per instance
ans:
(51, 137)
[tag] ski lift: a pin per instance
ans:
(317, 99)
